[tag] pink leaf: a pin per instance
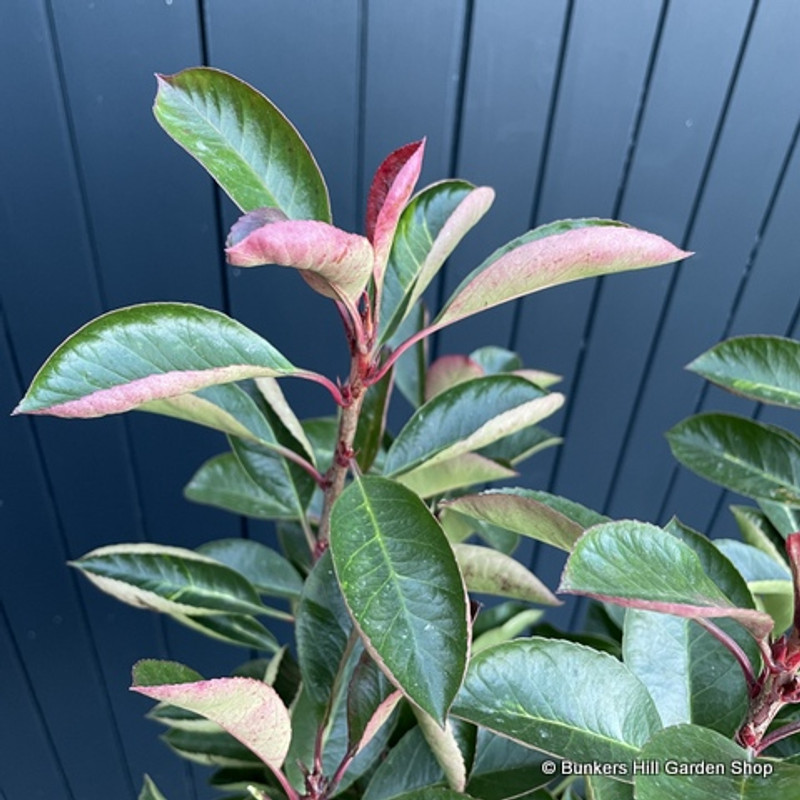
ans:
(555, 254)
(391, 189)
(247, 709)
(334, 263)
(449, 371)
(376, 721)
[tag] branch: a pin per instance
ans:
(777, 735)
(410, 342)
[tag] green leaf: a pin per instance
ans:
(521, 445)
(322, 433)
(244, 141)
(467, 417)
(504, 769)
(690, 675)
(409, 370)
(601, 788)
(468, 469)
(785, 518)
(402, 585)
(488, 572)
(409, 765)
(154, 672)
(334, 263)
(434, 793)
(214, 748)
(444, 746)
(758, 531)
(371, 698)
(268, 571)
(561, 698)
(449, 371)
(372, 422)
(495, 360)
(269, 389)
(429, 229)
(507, 630)
(322, 629)
(637, 565)
(149, 352)
(520, 511)
(763, 368)
(223, 482)
(238, 629)
(740, 454)
(227, 408)
(169, 579)
(150, 790)
(287, 483)
(247, 709)
(551, 255)
(730, 772)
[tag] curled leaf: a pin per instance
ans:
(334, 263)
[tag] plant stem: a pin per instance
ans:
(353, 397)
(776, 736)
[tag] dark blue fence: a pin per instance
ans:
(677, 116)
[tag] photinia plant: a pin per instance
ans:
(400, 681)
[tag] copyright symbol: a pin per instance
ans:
(549, 767)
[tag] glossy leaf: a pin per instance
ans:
(507, 630)
(139, 354)
(551, 255)
(153, 672)
(265, 568)
(409, 370)
(468, 469)
(494, 360)
(372, 422)
(223, 482)
(227, 408)
(210, 748)
(715, 564)
(391, 189)
(243, 140)
(503, 769)
(763, 368)
(758, 531)
(238, 629)
(740, 454)
(409, 766)
(602, 788)
(520, 445)
(334, 263)
(734, 775)
(690, 675)
(401, 583)
(786, 518)
(519, 511)
(286, 482)
(561, 698)
(371, 698)
(444, 746)
(429, 229)
(637, 565)
(449, 371)
(270, 390)
(169, 579)
(467, 417)
(247, 709)
(322, 629)
(150, 790)
(488, 572)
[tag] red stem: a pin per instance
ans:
(776, 736)
(410, 342)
